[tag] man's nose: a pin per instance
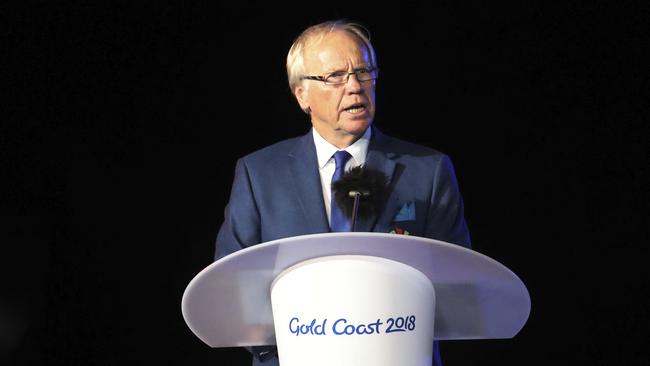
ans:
(352, 85)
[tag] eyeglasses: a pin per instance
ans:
(342, 77)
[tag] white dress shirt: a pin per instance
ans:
(326, 165)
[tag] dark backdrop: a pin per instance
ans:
(124, 119)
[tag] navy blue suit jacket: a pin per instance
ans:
(277, 193)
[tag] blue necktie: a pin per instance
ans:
(338, 221)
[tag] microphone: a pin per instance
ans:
(360, 193)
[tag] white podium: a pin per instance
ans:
(354, 298)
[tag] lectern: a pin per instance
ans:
(354, 298)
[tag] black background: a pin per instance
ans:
(117, 161)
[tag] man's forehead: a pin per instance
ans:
(336, 51)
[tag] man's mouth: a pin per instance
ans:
(355, 108)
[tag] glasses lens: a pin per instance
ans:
(338, 77)
(341, 77)
(367, 74)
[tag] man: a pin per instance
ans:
(285, 189)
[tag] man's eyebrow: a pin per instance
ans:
(360, 67)
(332, 71)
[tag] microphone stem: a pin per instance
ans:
(355, 209)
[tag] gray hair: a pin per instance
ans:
(314, 34)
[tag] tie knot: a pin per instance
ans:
(340, 158)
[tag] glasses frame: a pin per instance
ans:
(322, 78)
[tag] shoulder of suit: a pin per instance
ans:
(272, 152)
(407, 148)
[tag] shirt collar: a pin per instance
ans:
(325, 150)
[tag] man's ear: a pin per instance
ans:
(301, 94)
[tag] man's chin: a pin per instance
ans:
(356, 127)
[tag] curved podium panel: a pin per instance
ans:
(353, 310)
(228, 304)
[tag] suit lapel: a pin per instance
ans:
(306, 178)
(380, 159)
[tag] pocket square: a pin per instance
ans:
(406, 212)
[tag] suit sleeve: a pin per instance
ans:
(241, 226)
(446, 219)
(240, 229)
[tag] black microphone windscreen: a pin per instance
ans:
(364, 180)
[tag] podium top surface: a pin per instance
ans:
(228, 303)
